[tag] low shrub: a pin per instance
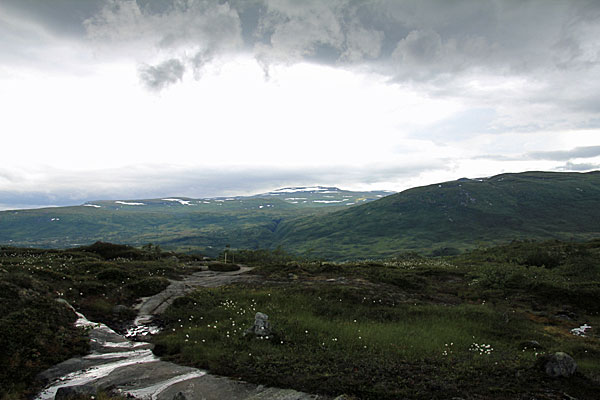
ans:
(110, 251)
(541, 258)
(222, 267)
(113, 275)
(147, 287)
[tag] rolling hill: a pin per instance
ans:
(453, 216)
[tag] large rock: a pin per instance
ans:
(559, 364)
(70, 392)
(261, 327)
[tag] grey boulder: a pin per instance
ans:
(261, 327)
(559, 364)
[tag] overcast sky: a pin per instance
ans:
(127, 99)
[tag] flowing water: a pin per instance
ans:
(129, 368)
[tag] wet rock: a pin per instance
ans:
(559, 364)
(69, 392)
(261, 327)
(281, 394)
(179, 396)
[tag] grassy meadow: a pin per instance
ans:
(410, 327)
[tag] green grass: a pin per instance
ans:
(408, 328)
(405, 327)
(318, 346)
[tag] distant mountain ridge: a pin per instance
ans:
(330, 223)
(302, 196)
(183, 223)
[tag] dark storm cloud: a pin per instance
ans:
(63, 17)
(161, 75)
(438, 35)
(440, 44)
(178, 24)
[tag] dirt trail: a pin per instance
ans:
(129, 368)
(158, 303)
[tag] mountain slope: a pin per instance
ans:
(460, 214)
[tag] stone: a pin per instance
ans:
(69, 392)
(261, 327)
(179, 396)
(559, 364)
(531, 345)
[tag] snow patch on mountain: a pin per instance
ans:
(129, 203)
(182, 202)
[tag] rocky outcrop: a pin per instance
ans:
(559, 365)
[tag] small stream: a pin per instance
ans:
(110, 351)
(129, 368)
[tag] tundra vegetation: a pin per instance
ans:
(37, 332)
(475, 325)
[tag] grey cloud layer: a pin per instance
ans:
(70, 188)
(560, 155)
(411, 39)
(578, 152)
(546, 53)
(583, 167)
(438, 35)
(551, 47)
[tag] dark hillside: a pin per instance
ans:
(458, 214)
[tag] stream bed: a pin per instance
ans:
(129, 368)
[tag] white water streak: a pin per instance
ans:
(94, 373)
(152, 392)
